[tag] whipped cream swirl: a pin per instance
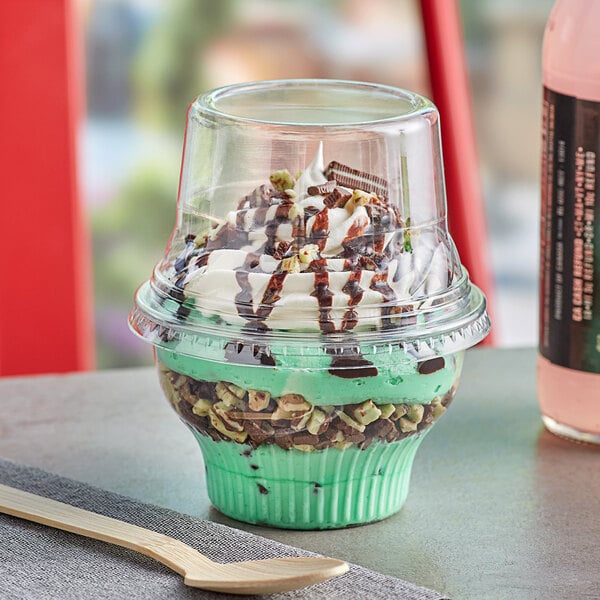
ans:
(330, 253)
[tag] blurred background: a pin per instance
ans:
(147, 59)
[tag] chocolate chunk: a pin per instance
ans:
(283, 440)
(248, 354)
(310, 211)
(393, 435)
(336, 199)
(324, 188)
(262, 489)
(427, 416)
(258, 431)
(367, 263)
(431, 366)
(356, 437)
(351, 367)
(308, 439)
(281, 249)
(364, 445)
(379, 428)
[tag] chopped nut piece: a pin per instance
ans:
(415, 413)
(386, 410)
(303, 447)
(229, 393)
(200, 240)
(358, 198)
(399, 411)
(281, 415)
(186, 394)
(308, 253)
(299, 423)
(295, 212)
(258, 400)
(179, 381)
(237, 390)
(438, 410)
(216, 230)
(342, 445)
(222, 410)
(202, 407)
(293, 403)
(236, 436)
(407, 426)
(366, 413)
(338, 437)
(349, 421)
(291, 264)
(282, 180)
(316, 421)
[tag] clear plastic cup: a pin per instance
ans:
(310, 314)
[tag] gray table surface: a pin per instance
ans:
(498, 507)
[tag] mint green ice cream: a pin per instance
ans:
(398, 379)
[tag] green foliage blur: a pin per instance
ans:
(131, 231)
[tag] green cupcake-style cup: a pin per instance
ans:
(310, 315)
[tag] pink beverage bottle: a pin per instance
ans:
(569, 344)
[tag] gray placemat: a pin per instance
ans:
(40, 562)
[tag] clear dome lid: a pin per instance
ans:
(311, 214)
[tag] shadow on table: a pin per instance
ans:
(567, 481)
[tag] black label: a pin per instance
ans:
(570, 233)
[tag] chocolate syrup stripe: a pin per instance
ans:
(380, 224)
(261, 196)
(324, 297)
(281, 216)
(350, 363)
(353, 289)
(320, 229)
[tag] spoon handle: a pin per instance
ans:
(167, 550)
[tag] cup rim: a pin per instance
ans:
(450, 328)
(207, 105)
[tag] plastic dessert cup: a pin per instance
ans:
(310, 315)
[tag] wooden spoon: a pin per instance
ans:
(248, 577)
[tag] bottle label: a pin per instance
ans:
(570, 233)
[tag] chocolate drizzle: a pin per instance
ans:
(347, 362)
(432, 365)
(320, 229)
(351, 367)
(379, 283)
(324, 297)
(373, 240)
(353, 289)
